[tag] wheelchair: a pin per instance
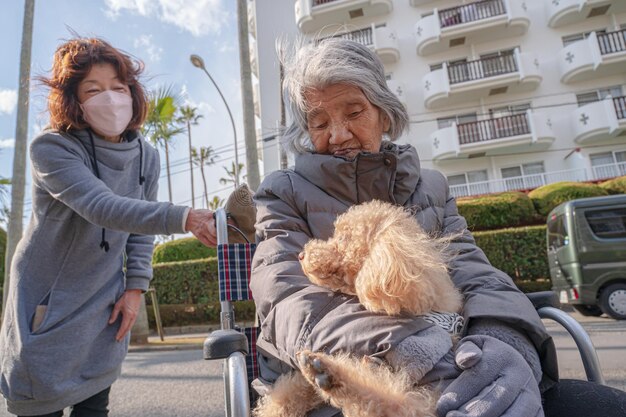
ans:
(237, 346)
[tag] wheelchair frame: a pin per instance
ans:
(232, 347)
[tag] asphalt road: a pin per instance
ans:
(166, 383)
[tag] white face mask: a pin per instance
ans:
(108, 112)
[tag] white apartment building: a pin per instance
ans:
(501, 94)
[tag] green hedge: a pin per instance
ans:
(496, 211)
(520, 252)
(549, 196)
(615, 186)
(188, 294)
(184, 249)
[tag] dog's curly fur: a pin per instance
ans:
(380, 254)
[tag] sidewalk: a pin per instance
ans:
(176, 338)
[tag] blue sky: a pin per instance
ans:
(162, 33)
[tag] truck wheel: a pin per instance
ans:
(588, 310)
(613, 301)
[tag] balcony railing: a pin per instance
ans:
(612, 42)
(482, 68)
(362, 36)
(498, 128)
(620, 107)
(601, 172)
(320, 2)
(524, 182)
(471, 12)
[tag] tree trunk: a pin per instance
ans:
(18, 179)
(252, 155)
(193, 195)
(167, 167)
(206, 195)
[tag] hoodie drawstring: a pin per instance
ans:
(103, 243)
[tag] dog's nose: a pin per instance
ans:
(301, 255)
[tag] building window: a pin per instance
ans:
(469, 183)
(569, 39)
(435, 67)
(444, 122)
(608, 164)
(509, 110)
(601, 94)
(523, 177)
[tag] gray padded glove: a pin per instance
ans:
(495, 381)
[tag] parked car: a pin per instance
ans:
(587, 254)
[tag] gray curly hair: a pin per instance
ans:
(334, 61)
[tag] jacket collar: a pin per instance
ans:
(390, 175)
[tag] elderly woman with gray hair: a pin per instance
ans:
(344, 121)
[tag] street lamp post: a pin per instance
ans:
(198, 62)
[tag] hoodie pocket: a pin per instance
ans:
(40, 313)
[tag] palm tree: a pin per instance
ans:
(4, 191)
(231, 173)
(189, 117)
(162, 125)
(201, 157)
(216, 203)
(18, 188)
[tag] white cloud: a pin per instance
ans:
(199, 17)
(8, 101)
(145, 43)
(7, 143)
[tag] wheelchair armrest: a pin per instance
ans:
(544, 299)
(220, 344)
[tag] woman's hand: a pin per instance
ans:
(128, 305)
(201, 223)
(495, 381)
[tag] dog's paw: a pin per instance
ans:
(314, 367)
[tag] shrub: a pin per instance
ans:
(184, 249)
(496, 211)
(615, 186)
(549, 196)
(520, 252)
(187, 293)
(195, 314)
(186, 282)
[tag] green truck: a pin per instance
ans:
(587, 254)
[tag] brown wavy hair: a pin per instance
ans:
(72, 62)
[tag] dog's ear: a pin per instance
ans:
(323, 265)
(406, 272)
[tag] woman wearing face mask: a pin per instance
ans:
(78, 272)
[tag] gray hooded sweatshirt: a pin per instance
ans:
(59, 262)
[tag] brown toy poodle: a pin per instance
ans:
(380, 254)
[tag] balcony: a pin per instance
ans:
(473, 80)
(419, 2)
(525, 132)
(601, 121)
(566, 12)
(524, 182)
(381, 40)
(477, 22)
(398, 89)
(602, 172)
(599, 55)
(313, 15)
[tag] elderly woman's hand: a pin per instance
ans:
(201, 223)
(495, 381)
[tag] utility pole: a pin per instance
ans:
(247, 101)
(18, 180)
